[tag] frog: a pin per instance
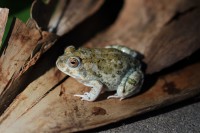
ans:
(112, 68)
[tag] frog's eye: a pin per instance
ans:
(73, 62)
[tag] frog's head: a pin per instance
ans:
(70, 62)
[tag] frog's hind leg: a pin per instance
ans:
(124, 49)
(130, 85)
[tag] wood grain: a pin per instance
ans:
(61, 16)
(62, 112)
(3, 20)
(165, 32)
(19, 48)
(28, 42)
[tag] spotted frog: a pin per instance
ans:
(113, 68)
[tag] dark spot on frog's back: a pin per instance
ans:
(99, 75)
(113, 76)
(107, 83)
(99, 67)
(83, 52)
(119, 72)
(170, 88)
(132, 81)
(118, 65)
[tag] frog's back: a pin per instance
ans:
(105, 65)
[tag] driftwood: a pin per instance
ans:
(165, 32)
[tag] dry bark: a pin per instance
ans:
(3, 20)
(163, 31)
(65, 113)
(25, 46)
(67, 14)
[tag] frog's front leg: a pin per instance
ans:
(96, 88)
(130, 85)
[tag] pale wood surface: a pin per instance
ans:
(3, 20)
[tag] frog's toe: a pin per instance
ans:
(113, 96)
(77, 95)
(121, 98)
(85, 96)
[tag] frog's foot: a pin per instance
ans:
(86, 96)
(115, 96)
(96, 88)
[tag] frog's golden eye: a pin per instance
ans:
(73, 62)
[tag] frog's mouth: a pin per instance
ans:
(63, 67)
(60, 65)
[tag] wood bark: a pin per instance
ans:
(54, 112)
(3, 20)
(164, 32)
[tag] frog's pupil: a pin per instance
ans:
(73, 62)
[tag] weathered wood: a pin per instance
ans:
(47, 103)
(3, 20)
(25, 46)
(56, 112)
(27, 43)
(66, 16)
(163, 31)
(20, 46)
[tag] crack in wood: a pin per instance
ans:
(179, 14)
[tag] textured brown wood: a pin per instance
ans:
(3, 20)
(56, 112)
(25, 46)
(12, 60)
(164, 31)
(27, 43)
(66, 16)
